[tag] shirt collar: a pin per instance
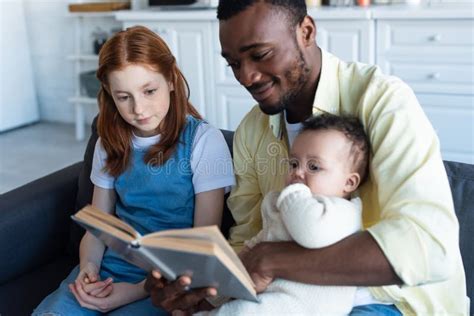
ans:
(326, 99)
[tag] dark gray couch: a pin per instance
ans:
(39, 244)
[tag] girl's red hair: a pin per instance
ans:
(139, 45)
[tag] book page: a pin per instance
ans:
(109, 219)
(96, 227)
(204, 261)
(210, 233)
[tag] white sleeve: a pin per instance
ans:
(211, 162)
(317, 221)
(98, 176)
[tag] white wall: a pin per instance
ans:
(18, 104)
(50, 32)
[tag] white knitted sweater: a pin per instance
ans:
(313, 222)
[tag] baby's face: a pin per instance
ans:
(321, 160)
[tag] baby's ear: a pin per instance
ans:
(352, 182)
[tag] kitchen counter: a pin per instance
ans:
(319, 13)
(435, 11)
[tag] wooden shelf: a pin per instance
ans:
(83, 100)
(90, 57)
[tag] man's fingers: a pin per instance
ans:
(154, 281)
(187, 300)
(175, 288)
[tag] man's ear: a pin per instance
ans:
(352, 182)
(308, 31)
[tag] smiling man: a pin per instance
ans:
(409, 254)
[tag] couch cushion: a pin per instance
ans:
(34, 221)
(461, 180)
(20, 296)
(84, 192)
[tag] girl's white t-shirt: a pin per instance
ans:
(211, 162)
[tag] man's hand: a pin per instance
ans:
(174, 296)
(259, 263)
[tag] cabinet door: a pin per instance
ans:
(452, 117)
(190, 43)
(350, 40)
(232, 104)
(431, 56)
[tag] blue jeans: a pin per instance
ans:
(62, 302)
(375, 310)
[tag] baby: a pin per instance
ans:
(328, 162)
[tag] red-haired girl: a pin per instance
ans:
(157, 165)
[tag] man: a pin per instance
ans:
(409, 254)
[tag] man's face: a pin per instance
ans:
(261, 47)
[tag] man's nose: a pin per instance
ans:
(248, 74)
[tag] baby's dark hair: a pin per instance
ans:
(295, 10)
(353, 129)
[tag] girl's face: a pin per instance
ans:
(142, 97)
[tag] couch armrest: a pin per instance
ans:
(34, 221)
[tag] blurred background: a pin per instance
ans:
(49, 56)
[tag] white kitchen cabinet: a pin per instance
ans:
(190, 43)
(232, 103)
(350, 40)
(436, 58)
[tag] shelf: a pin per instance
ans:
(83, 100)
(103, 14)
(90, 57)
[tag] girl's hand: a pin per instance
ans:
(88, 273)
(121, 294)
(90, 281)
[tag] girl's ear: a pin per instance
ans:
(171, 85)
(352, 182)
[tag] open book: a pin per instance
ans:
(201, 252)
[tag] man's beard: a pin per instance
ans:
(296, 75)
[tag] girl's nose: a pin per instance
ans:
(138, 106)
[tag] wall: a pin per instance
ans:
(50, 33)
(18, 104)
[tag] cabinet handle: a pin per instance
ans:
(434, 76)
(435, 38)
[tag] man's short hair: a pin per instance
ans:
(353, 129)
(295, 10)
